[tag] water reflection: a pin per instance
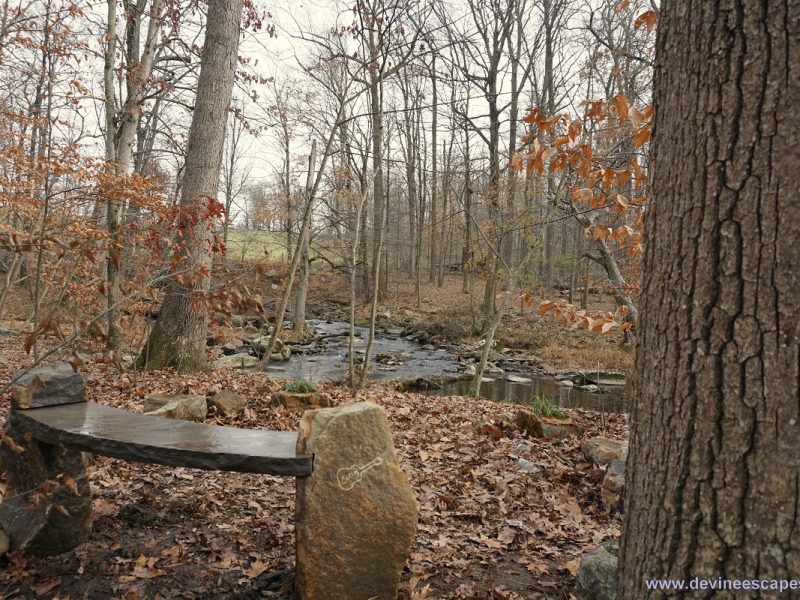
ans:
(607, 399)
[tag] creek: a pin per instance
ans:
(439, 371)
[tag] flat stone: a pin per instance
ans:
(50, 385)
(114, 432)
(517, 379)
(299, 402)
(227, 403)
(188, 407)
(602, 451)
(565, 383)
(236, 361)
(613, 490)
(597, 576)
(358, 552)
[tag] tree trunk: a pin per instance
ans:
(714, 460)
(178, 338)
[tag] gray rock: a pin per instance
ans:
(602, 451)
(260, 345)
(227, 403)
(251, 329)
(235, 361)
(359, 552)
(517, 379)
(394, 331)
(50, 385)
(6, 330)
(187, 407)
(589, 387)
(613, 491)
(229, 348)
(597, 577)
(527, 466)
(565, 383)
(429, 347)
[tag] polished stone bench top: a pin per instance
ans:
(113, 432)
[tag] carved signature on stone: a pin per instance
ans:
(348, 477)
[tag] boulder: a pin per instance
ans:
(187, 407)
(357, 552)
(260, 345)
(236, 361)
(565, 383)
(50, 385)
(226, 403)
(613, 488)
(597, 576)
(602, 451)
(555, 429)
(527, 466)
(299, 402)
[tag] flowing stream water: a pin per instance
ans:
(439, 371)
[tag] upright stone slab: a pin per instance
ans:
(356, 513)
(46, 508)
(47, 504)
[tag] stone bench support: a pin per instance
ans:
(356, 512)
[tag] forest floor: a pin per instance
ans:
(486, 529)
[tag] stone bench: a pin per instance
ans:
(355, 510)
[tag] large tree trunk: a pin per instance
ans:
(178, 338)
(714, 460)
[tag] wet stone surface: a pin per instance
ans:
(114, 432)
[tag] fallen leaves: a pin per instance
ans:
(176, 533)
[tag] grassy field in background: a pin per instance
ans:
(251, 245)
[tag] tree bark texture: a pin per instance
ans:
(714, 467)
(178, 338)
